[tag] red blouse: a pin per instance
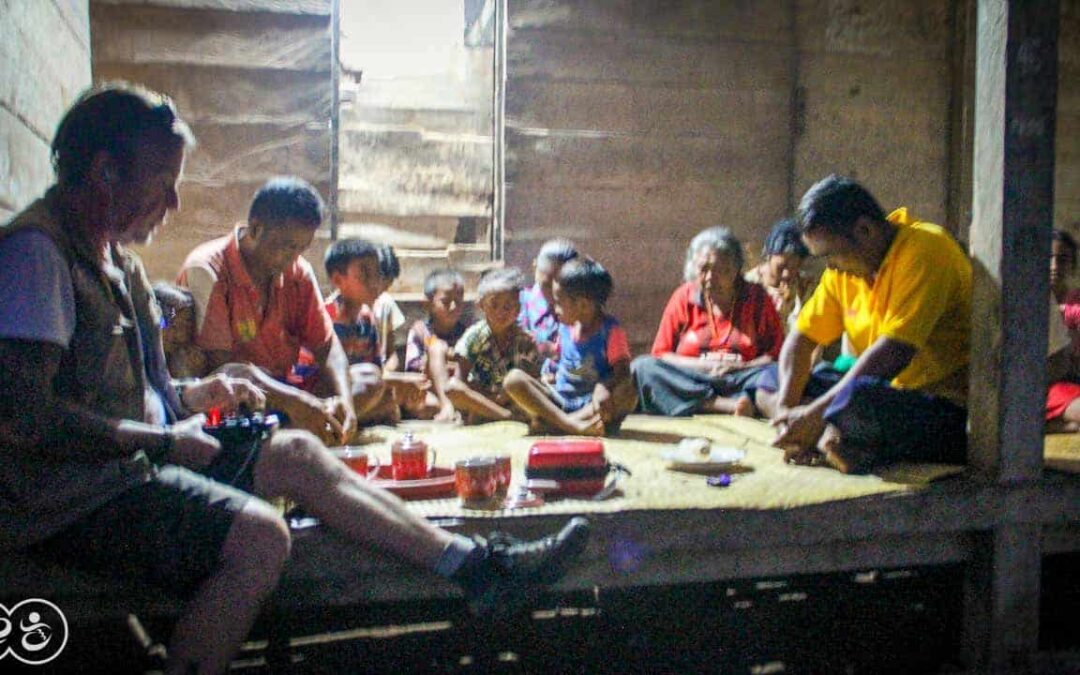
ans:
(685, 327)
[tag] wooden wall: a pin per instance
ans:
(633, 124)
(1067, 151)
(45, 57)
(252, 77)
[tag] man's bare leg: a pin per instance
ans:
(766, 402)
(216, 621)
(295, 465)
(529, 394)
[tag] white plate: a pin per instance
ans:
(682, 458)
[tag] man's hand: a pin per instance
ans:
(446, 413)
(315, 415)
(225, 392)
(798, 430)
(342, 411)
(192, 447)
(408, 391)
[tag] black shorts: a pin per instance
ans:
(168, 532)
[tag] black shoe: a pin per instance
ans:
(505, 574)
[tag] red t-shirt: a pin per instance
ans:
(230, 316)
(685, 330)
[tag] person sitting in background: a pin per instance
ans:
(257, 305)
(537, 315)
(717, 333)
(492, 347)
(593, 391)
(178, 331)
(1063, 398)
(901, 291)
(352, 266)
(388, 316)
(430, 341)
(780, 270)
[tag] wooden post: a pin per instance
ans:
(1013, 185)
(1015, 98)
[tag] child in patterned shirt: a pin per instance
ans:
(492, 347)
(593, 391)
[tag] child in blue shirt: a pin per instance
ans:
(593, 391)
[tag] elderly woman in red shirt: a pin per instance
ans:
(717, 332)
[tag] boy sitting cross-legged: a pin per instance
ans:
(491, 348)
(353, 268)
(593, 391)
(429, 342)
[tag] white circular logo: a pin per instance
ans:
(34, 631)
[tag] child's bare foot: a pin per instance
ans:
(744, 407)
(593, 426)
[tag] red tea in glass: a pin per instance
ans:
(502, 475)
(409, 459)
(357, 459)
(475, 480)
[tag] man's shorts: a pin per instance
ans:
(169, 532)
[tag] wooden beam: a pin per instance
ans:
(1016, 94)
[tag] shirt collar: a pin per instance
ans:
(238, 271)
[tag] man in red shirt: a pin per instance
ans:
(257, 304)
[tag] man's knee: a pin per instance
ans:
(288, 457)
(258, 541)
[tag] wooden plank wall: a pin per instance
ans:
(633, 124)
(1067, 152)
(874, 81)
(252, 77)
(45, 52)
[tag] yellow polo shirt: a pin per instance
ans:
(920, 295)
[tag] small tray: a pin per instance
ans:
(438, 485)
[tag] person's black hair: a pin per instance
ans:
(287, 198)
(784, 238)
(1066, 239)
(389, 267)
(583, 277)
(343, 251)
(834, 203)
(437, 280)
(558, 251)
(114, 118)
(500, 280)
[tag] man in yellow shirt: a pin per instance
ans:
(901, 291)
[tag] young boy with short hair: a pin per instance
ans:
(429, 342)
(353, 268)
(492, 347)
(593, 391)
